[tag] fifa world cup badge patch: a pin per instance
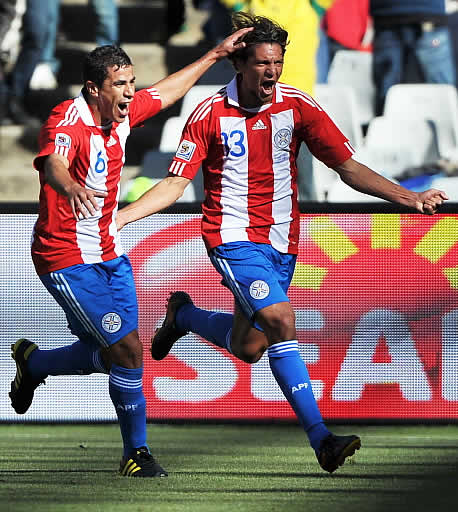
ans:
(111, 322)
(63, 140)
(186, 150)
(259, 289)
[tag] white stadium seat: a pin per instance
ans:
(435, 102)
(171, 134)
(354, 68)
(339, 102)
(324, 179)
(392, 145)
(449, 185)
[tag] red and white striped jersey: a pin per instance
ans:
(96, 155)
(248, 159)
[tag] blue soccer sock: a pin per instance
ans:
(292, 376)
(76, 359)
(126, 393)
(210, 325)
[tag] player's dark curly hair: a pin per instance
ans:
(98, 61)
(265, 31)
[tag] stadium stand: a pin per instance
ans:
(390, 147)
(354, 68)
(324, 178)
(393, 144)
(437, 103)
(348, 98)
(141, 32)
(171, 133)
(341, 104)
(449, 184)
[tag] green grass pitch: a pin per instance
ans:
(63, 468)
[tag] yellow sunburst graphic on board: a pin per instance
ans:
(385, 233)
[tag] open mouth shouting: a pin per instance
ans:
(267, 87)
(123, 109)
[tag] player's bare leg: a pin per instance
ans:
(247, 343)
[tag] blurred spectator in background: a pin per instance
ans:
(106, 32)
(34, 28)
(44, 74)
(7, 14)
(301, 20)
(336, 36)
(218, 24)
(107, 17)
(175, 17)
(452, 12)
(403, 27)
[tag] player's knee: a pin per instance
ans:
(127, 352)
(280, 324)
(251, 358)
(250, 355)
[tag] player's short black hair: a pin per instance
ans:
(265, 31)
(98, 61)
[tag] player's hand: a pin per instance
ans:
(430, 200)
(83, 201)
(232, 43)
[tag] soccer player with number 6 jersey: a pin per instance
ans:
(247, 137)
(76, 248)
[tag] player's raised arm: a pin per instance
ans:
(176, 85)
(362, 178)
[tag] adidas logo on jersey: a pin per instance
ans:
(111, 141)
(259, 125)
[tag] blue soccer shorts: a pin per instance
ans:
(257, 274)
(99, 299)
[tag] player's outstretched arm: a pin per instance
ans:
(362, 178)
(175, 86)
(158, 197)
(82, 200)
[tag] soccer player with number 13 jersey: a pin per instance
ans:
(247, 137)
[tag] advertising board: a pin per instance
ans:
(376, 305)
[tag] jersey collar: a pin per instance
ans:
(85, 112)
(233, 95)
